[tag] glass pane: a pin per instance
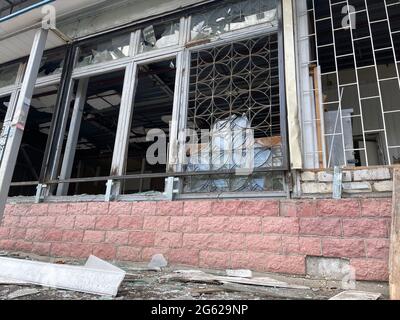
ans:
(350, 101)
(111, 49)
(52, 63)
(335, 151)
(265, 182)
(8, 75)
(233, 16)
(390, 91)
(332, 118)
(392, 128)
(372, 114)
(395, 155)
(159, 36)
(329, 88)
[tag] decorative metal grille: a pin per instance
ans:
(359, 80)
(235, 88)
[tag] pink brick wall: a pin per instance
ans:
(263, 235)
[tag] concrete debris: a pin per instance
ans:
(189, 271)
(96, 277)
(158, 261)
(241, 273)
(142, 283)
(22, 293)
(270, 292)
(356, 295)
(201, 291)
(209, 278)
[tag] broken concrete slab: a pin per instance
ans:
(158, 261)
(356, 295)
(4, 281)
(240, 273)
(22, 293)
(327, 268)
(96, 277)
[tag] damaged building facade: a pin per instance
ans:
(306, 92)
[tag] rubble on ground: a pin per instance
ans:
(144, 283)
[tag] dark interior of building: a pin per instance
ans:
(3, 109)
(358, 67)
(152, 110)
(97, 130)
(34, 140)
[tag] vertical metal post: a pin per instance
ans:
(52, 155)
(118, 166)
(9, 159)
(337, 183)
(73, 136)
(308, 117)
(290, 85)
(124, 127)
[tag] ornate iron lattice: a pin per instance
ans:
(235, 87)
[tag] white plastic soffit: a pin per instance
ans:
(16, 34)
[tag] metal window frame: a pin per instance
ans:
(41, 82)
(20, 113)
(182, 54)
(304, 13)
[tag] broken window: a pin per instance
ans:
(89, 148)
(234, 117)
(232, 16)
(34, 140)
(8, 75)
(152, 110)
(52, 63)
(114, 48)
(360, 85)
(4, 103)
(159, 36)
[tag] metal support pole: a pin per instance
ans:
(16, 132)
(52, 154)
(124, 125)
(291, 87)
(73, 135)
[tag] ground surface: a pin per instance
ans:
(140, 284)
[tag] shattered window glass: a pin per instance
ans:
(234, 118)
(4, 103)
(359, 68)
(233, 16)
(8, 75)
(52, 63)
(112, 49)
(159, 36)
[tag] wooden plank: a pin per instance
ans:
(318, 116)
(394, 258)
(201, 277)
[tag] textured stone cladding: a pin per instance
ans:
(262, 235)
